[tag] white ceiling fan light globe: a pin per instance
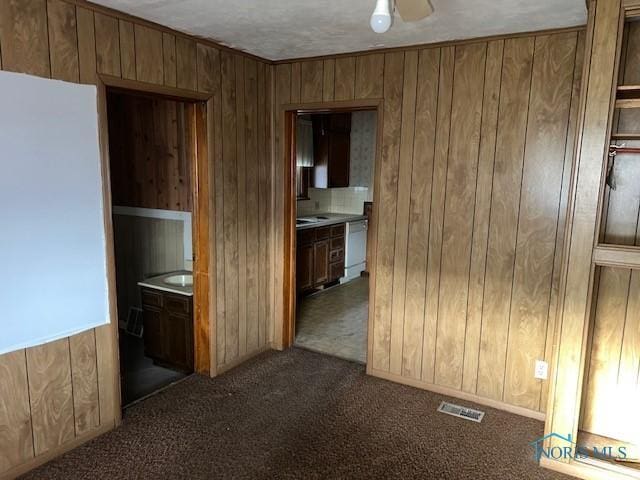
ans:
(382, 19)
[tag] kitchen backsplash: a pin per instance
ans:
(336, 200)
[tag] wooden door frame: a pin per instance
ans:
(289, 112)
(202, 181)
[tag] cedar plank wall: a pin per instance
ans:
(477, 146)
(60, 394)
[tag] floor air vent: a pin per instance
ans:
(462, 412)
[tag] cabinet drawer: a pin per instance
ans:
(323, 233)
(336, 255)
(177, 304)
(337, 243)
(151, 298)
(307, 236)
(336, 270)
(337, 230)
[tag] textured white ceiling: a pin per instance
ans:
(283, 29)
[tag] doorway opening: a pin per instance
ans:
(333, 159)
(155, 149)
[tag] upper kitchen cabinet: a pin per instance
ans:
(332, 145)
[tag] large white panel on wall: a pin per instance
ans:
(53, 277)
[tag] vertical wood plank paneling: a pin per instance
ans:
(87, 46)
(262, 159)
(252, 196)
(242, 204)
(345, 81)
(149, 55)
(436, 220)
(127, 50)
(207, 72)
(369, 69)
(393, 84)
(50, 395)
(107, 44)
(84, 377)
(328, 83)
(23, 36)
(230, 191)
(186, 61)
(63, 40)
(549, 106)
(466, 115)
(312, 75)
(562, 210)
(405, 169)
(482, 209)
(419, 210)
(16, 440)
(169, 60)
(512, 126)
(296, 82)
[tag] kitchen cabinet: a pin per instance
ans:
(319, 257)
(168, 329)
(332, 145)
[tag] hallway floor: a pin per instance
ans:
(334, 321)
(300, 414)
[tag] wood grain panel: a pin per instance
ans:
(169, 61)
(242, 204)
(208, 69)
(23, 36)
(549, 105)
(466, 115)
(436, 220)
(405, 169)
(149, 55)
(84, 377)
(186, 61)
(328, 82)
(230, 190)
(312, 77)
(512, 125)
(296, 82)
(107, 44)
(393, 86)
(369, 69)
(491, 97)
(86, 46)
(16, 440)
(127, 50)
(345, 80)
(50, 395)
(63, 41)
(419, 210)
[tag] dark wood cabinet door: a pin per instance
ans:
(304, 267)
(321, 262)
(339, 159)
(153, 333)
(179, 343)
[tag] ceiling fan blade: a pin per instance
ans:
(414, 10)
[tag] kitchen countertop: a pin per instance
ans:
(158, 283)
(332, 219)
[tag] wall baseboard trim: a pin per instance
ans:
(240, 360)
(452, 392)
(587, 471)
(56, 452)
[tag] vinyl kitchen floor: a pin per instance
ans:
(334, 321)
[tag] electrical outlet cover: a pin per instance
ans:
(541, 370)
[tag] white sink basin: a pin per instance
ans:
(179, 280)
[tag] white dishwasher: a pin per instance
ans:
(355, 260)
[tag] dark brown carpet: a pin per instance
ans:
(301, 414)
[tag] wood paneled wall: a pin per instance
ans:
(477, 145)
(58, 395)
(151, 148)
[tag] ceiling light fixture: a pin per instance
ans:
(382, 19)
